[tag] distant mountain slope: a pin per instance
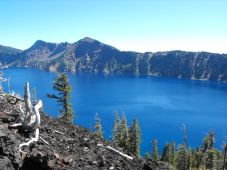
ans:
(89, 55)
(8, 50)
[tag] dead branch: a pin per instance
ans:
(35, 139)
(21, 111)
(61, 133)
(13, 98)
(8, 112)
(115, 150)
(16, 125)
(44, 140)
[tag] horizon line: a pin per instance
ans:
(119, 48)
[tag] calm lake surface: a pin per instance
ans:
(161, 105)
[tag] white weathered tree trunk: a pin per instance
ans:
(27, 100)
(2, 79)
(30, 118)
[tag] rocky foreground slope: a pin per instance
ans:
(61, 146)
(92, 56)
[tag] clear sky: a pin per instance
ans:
(137, 25)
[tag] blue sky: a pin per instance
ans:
(137, 25)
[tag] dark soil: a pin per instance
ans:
(65, 146)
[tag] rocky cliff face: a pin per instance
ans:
(88, 55)
(61, 146)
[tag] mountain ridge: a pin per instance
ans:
(8, 50)
(89, 39)
(92, 56)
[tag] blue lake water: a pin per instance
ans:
(161, 105)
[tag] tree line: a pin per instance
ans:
(183, 157)
(127, 137)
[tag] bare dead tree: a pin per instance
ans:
(2, 79)
(29, 119)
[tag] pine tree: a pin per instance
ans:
(194, 158)
(209, 154)
(182, 153)
(185, 135)
(189, 158)
(124, 134)
(173, 154)
(166, 154)
(181, 157)
(211, 159)
(197, 159)
(224, 157)
(211, 139)
(134, 138)
(116, 130)
(98, 126)
(147, 156)
(208, 141)
(154, 153)
(62, 86)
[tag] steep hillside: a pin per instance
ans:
(60, 146)
(89, 55)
